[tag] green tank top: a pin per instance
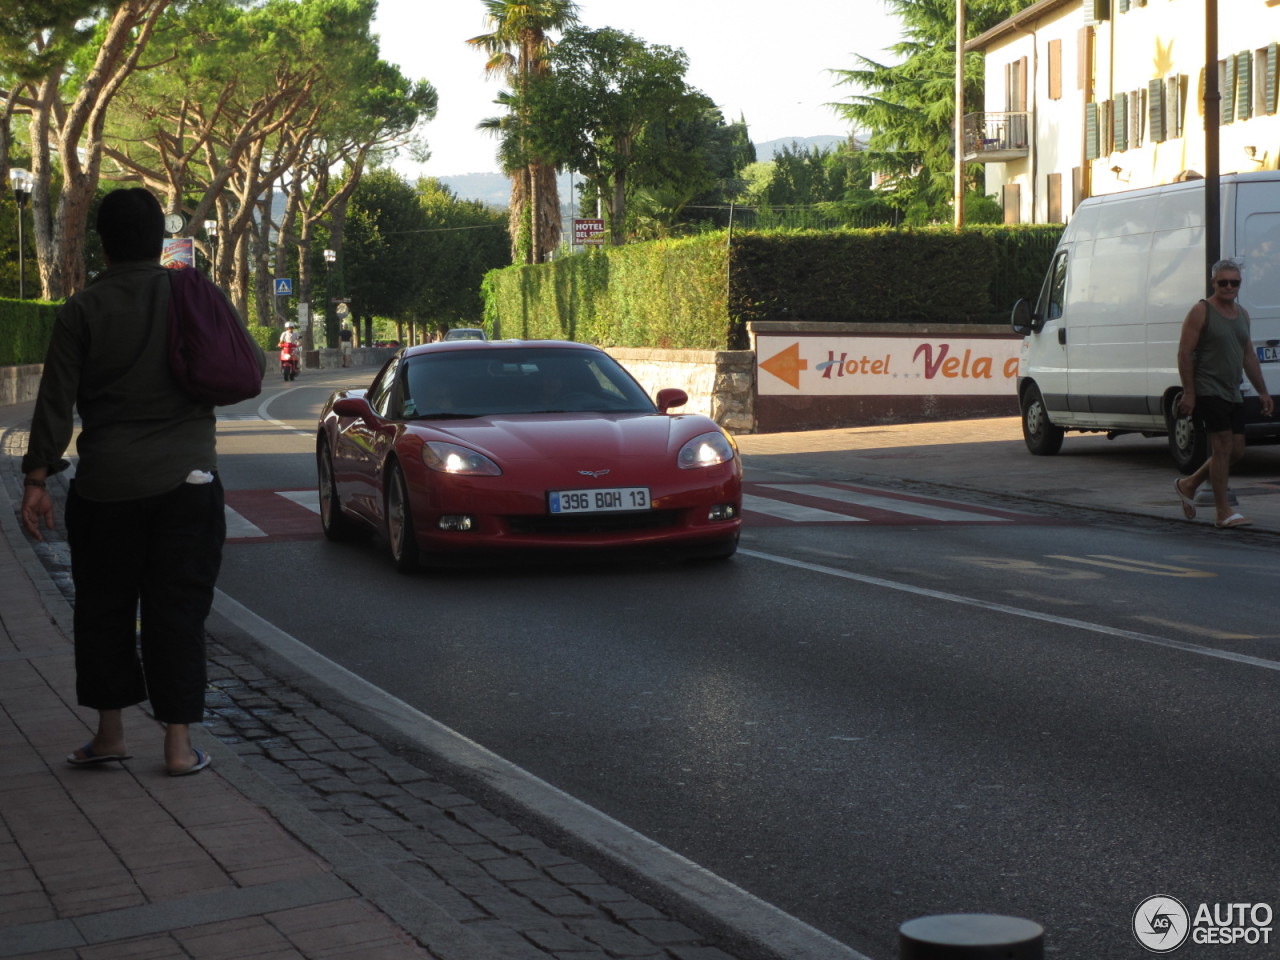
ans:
(1219, 356)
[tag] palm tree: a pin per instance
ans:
(517, 47)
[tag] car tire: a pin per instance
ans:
(1188, 444)
(335, 523)
(1042, 438)
(405, 554)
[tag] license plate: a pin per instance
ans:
(1268, 354)
(605, 500)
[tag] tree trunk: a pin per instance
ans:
(617, 208)
(547, 209)
(76, 129)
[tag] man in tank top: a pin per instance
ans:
(1214, 349)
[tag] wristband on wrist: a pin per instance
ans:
(33, 482)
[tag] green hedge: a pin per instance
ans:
(667, 293)
(673, 293)
(27, 325)
(25, 329)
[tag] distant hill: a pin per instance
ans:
(491, 189)
(494, 190)
(767, 150)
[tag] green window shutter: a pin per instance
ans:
(1155, 110)
(1228, 90)
(1091, 131)
(1124, 6)
(1120, 122)
(1271, 77)
(1101, 9)
(1244, 85)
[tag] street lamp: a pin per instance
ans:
(330, 258)
(211, 231)
(23, 183)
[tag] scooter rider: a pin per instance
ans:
(290, 344)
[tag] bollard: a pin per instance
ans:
(970, 936)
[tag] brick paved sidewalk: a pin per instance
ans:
(125, 861)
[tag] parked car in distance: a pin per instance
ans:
(386, 343)
(471, 448)
(465, 333)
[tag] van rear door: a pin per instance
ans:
(1257, 245)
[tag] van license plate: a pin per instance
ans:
(599, 501)
(1268, 354)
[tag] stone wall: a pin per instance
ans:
(19, 384)
(720, 383)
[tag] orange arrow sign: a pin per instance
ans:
(786, 366)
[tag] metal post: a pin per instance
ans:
(211, 231)
(23, 183)
(958, 185)
(1212, 114)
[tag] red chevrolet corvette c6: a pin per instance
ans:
(473, 447)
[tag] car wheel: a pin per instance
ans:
(335, 523)
(1188, 444)
(1042, 437)
(404, 544)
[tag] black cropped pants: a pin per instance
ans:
(158, 556)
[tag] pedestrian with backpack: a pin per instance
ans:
(144, 515)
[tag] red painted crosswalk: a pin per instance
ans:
(262, 515)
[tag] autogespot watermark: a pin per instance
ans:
(1162, 923)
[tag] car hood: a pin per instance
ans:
(590, 440)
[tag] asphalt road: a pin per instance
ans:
(1036, 711)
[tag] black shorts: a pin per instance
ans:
(1218, 416)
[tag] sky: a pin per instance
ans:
(767, 63)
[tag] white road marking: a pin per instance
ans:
(303, 498)
(793, 511)
(931, 511)
(238, 528)
(1085, 625)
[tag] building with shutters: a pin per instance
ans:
(1095, 97)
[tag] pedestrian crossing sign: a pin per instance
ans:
(284, 287)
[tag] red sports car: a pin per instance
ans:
(469, 446)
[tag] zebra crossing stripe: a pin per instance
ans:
(931, 511)
(310, 499)
(238, 528)
(794, 511)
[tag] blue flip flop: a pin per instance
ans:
(90, 758)
(202, 761)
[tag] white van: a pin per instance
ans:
(1101, 345)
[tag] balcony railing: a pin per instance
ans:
(995, 137)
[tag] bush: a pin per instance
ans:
(695, 293)
(25, 329)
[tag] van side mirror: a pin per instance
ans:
(1023, 320)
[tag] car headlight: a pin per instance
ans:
(451, 458)
(706, 451)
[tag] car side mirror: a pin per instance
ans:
(353, 407)
(671, 397)
(1023, 320)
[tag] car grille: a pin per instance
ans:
(578, 525)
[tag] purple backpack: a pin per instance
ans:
(210, 352)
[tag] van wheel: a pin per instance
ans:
(1042, 437)
(1188, 444)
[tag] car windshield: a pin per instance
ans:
(542, 380)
